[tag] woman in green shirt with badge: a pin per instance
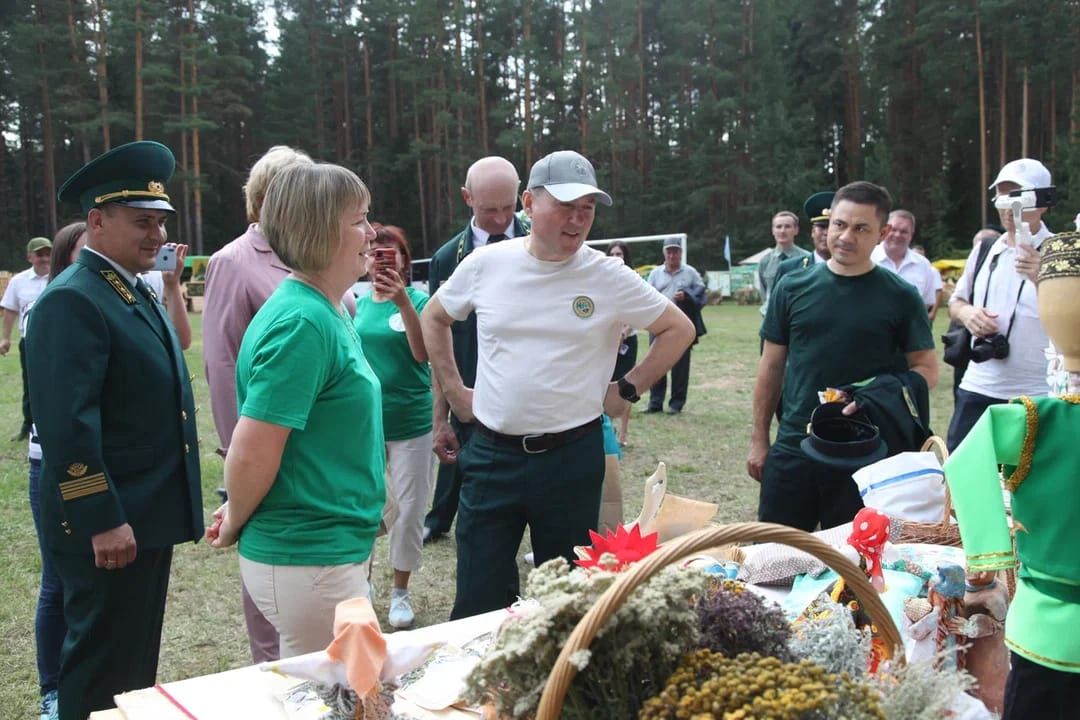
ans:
(304, 470)
(388, 322)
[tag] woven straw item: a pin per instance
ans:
(563, 671)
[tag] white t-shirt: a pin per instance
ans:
(1024, 371)
(22, 291)
(914, 268)
(547, 332)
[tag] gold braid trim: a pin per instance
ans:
(1073, 398)
(1012, 482)
(1041, 659)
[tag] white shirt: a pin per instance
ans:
(547, 332)
(914, 268)
(22, 291)
(480, 236)
(1024, 371)
(818, 258)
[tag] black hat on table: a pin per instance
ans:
(817, 206)
(846, 442)
(133, 174)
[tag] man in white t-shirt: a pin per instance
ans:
(894, 253)
(550, 314)
(939, 283)
(22, 290)
(1003, 314)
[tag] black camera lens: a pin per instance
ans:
(994, 347)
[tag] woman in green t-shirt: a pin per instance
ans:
(388, 322)
(304, 470)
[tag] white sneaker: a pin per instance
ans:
(530, 559)
(50, 709)
(401, 612)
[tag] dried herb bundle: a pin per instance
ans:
(628, 661)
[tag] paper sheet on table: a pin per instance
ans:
(243, 693)
(438, 684)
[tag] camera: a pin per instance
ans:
(993, 347)
(1037, 198)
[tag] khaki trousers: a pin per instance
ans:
(299, 600)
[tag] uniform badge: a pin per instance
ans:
(118, 285)
(155, 187)
(583, 306)
(76, 470)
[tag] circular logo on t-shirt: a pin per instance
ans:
(396, 323)
(583, 306)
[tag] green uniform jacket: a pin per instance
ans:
(442, 266)
(114, 410)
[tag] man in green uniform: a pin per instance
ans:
(816, 208)
(114, 410)
(490, 191)
(833, 324)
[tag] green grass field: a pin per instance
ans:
(705, 449)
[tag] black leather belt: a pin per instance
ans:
(539, 443)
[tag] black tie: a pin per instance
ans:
(496, 238)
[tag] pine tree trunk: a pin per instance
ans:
(346, 121)
(391, 84)
(48, 161)
(983, 160)
(101, 40)
(1024, 115)
(643, 118)
(195, 159)
(138, 71)
(459, 69)
(369, 117)
(527, 82)
(1003, 89)
(420, 178)
(77, 62)
(183, 218)
(481, 77)
(583, 100)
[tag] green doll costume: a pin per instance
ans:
(1035, 442)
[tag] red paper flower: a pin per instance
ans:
(625, 548)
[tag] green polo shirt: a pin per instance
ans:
(840, 330)
(301, 366)
(406, 384)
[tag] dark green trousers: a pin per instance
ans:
(114, 628)
(504, 489)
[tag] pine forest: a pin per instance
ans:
(701, 116)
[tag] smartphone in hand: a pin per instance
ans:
(166, 258)
(385, 258)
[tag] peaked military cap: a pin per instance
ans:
(133, 174)
(817, 206)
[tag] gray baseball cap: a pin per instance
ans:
(567, 175)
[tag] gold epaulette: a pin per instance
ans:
(118, 285)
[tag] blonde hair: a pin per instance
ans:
(301, 216)
(263, 171)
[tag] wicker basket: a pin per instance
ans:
(936, 533)
(562, 673)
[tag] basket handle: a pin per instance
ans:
(563, 672)
(936, 445)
